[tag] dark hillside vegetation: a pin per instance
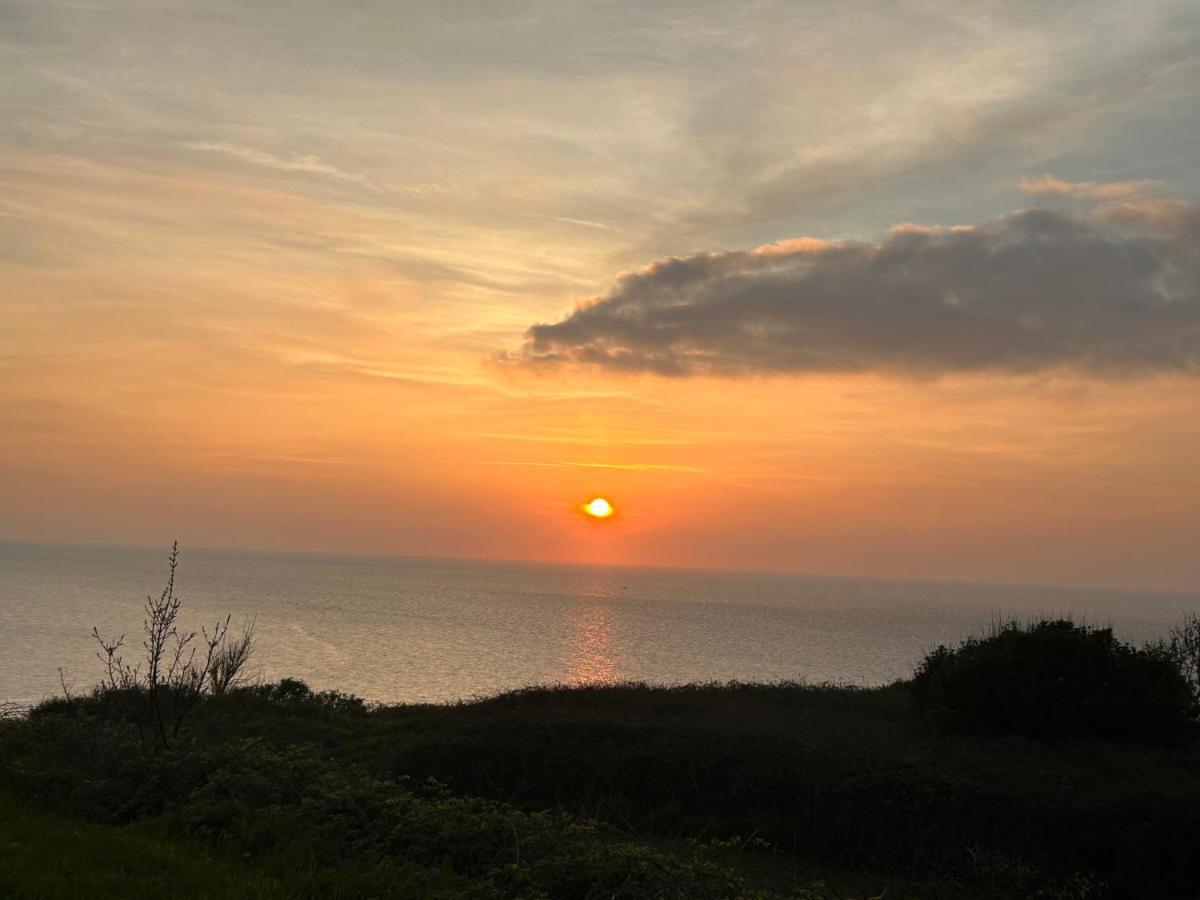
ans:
(583, 792)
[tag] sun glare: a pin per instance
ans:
(598, 508)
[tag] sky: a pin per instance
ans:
(888, 289)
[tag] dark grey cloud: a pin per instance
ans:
(1114, 291)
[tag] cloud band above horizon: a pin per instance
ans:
(1111, 291)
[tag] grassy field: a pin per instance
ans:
(44, 856)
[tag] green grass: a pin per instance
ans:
(45, 856)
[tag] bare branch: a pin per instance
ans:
(180, 669)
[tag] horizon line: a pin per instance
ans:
(794, 573)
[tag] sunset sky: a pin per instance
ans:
(906, 288)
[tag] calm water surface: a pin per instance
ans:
(437, 630)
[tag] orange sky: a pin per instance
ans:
(254, 297)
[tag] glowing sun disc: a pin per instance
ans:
(598, 508)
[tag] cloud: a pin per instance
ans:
(1091, 190)
(567, 220)
(1110, 292)
(305, 162)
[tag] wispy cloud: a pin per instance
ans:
(589, 440)
(1091, 190)
(287, 458)
(583, 223)
(624, 467)
(304, 163)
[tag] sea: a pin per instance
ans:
(436, 630)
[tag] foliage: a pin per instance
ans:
(263, 797)
(287, 808)
(297, 695)
(602, 779)
(1056, 679)
(843, 775)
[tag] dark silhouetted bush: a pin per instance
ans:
(1056, 679)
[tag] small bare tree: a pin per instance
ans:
(1183, 643)
(176, 676)
(228, 656)
(117, 675)
(67, 689)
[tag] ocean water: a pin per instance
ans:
(438, 630)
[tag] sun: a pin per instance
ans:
(598, 508)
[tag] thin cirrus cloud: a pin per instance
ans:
(305, 163)
(1110, 291)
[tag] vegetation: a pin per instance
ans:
(1056, 679)
(993, 773)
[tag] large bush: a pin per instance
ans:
(1055, 679)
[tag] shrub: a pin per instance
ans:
(294, 694)
(1056, 679)
(263, 799)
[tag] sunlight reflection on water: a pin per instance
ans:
(591, 651)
